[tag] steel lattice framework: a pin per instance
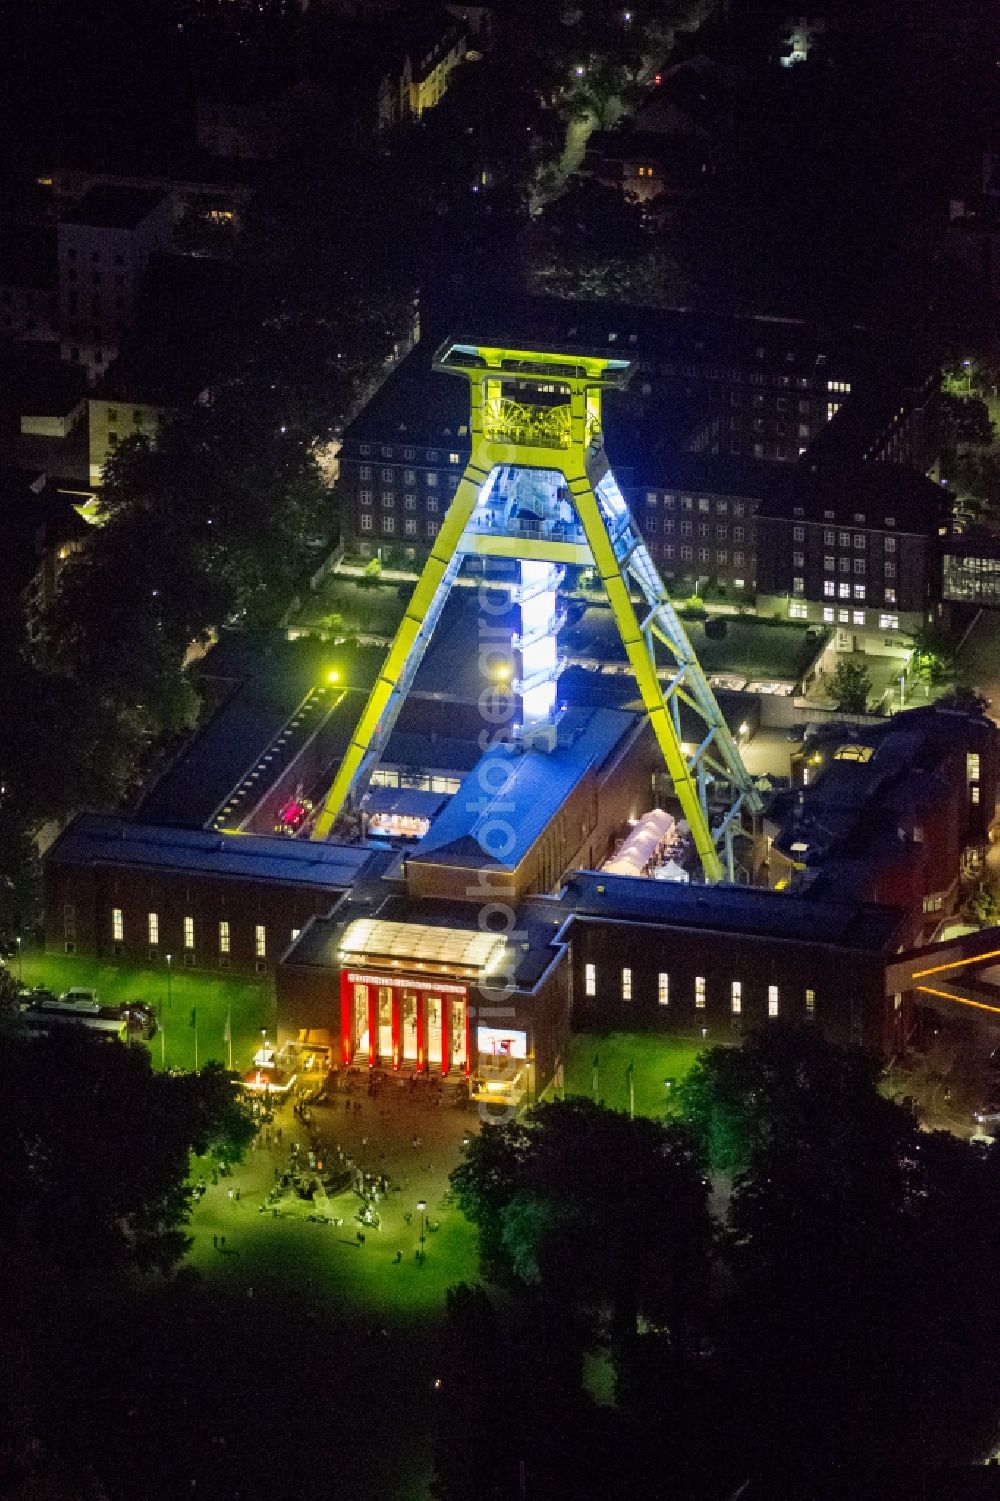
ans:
(536, 423)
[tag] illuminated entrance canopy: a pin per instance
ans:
(538, 489)
(418, 944)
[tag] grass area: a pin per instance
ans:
(655, 1056)
(758, 648)
(752, 648)
(250, 1003)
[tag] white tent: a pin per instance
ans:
(654, 829)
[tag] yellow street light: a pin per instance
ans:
(333, 676)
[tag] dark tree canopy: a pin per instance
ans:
(96, 1148)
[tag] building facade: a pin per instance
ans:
(104, 246)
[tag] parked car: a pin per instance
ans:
(78, 998)
(988, 1114)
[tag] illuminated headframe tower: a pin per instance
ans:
(538, 489)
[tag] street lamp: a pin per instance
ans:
(169, 958)
(20, 972)
(422, 1206)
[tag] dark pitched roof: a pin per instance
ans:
(114, 208)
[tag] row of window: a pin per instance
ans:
(386, 451)
(95, 256)
(367, 498)
(780, 427)
(650, 526)
(720, 504)
(224, 933)
(699, 994)
(388, 526)
(844, 590)
(704, 555)
(390, 476)
(833, 538)
(886, 622)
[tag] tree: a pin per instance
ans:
(935, 653)
(784, 1085)
(850, 684)
(982, 905)
(93, 1174)
(842, 1363)
(964, 419)
(594, 1208)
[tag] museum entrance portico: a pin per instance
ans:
(404, 1023)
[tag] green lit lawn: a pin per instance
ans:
(252, 1003)
(656, 1057)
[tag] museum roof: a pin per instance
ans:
(412, 924)
(505, 804)
(97, 839)
(732, 909)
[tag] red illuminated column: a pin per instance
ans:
(346, 1020)
(397, 1027)
(445, 1033)
(372, 1025)
(421, 1031)
(468, 1039)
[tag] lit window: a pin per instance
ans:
(810, 1005)
(974, 792)
(843, 616)
(857, 617)
(772, 1000)
(843, 591)
(972, 766)
(590, 979)
(888, 622)
(699, 992)
(260, 941)
(890, 596)
(859, 591)
(663, 989)
(737, 997)
(798, 609)
(454, 458)
(626, 984)
(829, 588)
(189, 932)
(295, 934)
(154, 929)
(117, 925)
(828, 615)
(223, 938)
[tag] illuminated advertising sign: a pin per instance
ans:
(501, 1043)
(414, 982)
